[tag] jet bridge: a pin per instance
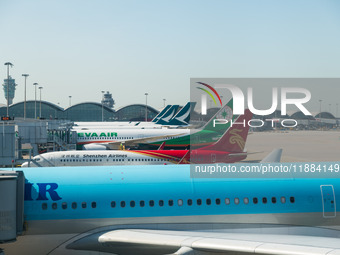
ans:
(11, 205)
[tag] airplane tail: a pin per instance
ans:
(183, 116)
(170, 113)
(226, 112)
(161, 113)
(234, 139)
(273, 157)
(210, 132)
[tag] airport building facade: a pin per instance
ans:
(88, 111)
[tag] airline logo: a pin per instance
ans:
(42, 190)
(226, 113)
(94, 134)
(237, 138)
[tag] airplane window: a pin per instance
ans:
(199, 201)
(189, 202)
(264, 200)
(180, 202)
(122, 204)
(292, 199)
(54, 206)
(171, 202)
(83, 205)
(255, 200)
(227, 201)
(151, 203)
(274, 200)
(236, 200)
(128, 159)
(141, 203)
(218, 201)
(132, 203)
(113, 204)
(44, 206)
(208, 201)
(161, 202)
(283, 200)
(246, 200)
(74, 205)
(93, 204)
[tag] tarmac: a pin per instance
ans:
(298, 146)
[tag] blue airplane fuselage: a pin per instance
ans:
(90, 197)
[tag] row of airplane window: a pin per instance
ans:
(114, 160)
(74, 205)
(180, 202)
(106, 138)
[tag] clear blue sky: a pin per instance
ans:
(79, 48)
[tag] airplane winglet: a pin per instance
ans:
(273, 157)
(183, 159)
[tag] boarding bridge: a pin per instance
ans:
(7, 144)
(12, 186)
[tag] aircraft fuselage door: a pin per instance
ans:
(328, 201)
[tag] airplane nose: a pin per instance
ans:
(24, 164)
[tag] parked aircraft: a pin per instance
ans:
(161, 210)
(169, 117)
(152, 139)
(228, 149)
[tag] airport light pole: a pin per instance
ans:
(25, 75)
(70, 97)
(40, 88)
(103, 105)
(8, 64)
(164, 102)
(35, 100)
(146, 107)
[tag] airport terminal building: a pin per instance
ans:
(87, 111)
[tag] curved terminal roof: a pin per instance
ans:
(325, 115)
(301, 116)
(86, 111)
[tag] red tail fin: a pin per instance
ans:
(234, 139)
